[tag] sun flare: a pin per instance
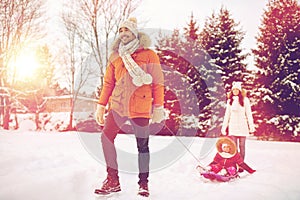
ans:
(25, 66)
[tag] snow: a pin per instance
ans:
(62, 166)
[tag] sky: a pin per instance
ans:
(171, 14)
(48, 166)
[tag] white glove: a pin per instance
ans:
(252, 129)
(99, 115)
(223, 172)
(158, 114)
(223, 131)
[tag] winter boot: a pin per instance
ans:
(143, 190)
(110, 185)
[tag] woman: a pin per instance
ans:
(238, 117)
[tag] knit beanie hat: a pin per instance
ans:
(237, 85)
(131, 24)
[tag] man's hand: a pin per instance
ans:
(158, 114)
(99, 115)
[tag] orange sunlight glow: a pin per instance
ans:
(25, 66)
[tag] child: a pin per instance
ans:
(227, 160)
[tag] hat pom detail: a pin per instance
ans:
(133, 20)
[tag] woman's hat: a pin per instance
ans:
(237, 85)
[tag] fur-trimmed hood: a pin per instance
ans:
(144, 39)
(232, 146)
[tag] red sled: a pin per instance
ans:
(217, 177)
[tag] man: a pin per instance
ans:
(133, 88)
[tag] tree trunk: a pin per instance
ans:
(37, 120)
(16, 120)
(6, 113)
(70, 126)
(2, 110)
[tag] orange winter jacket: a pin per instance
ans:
(122, 95)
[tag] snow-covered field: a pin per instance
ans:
(66, 166)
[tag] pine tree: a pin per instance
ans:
(191, 32)
(277, 55)
(222, 38)
(198, 73)
(168, 49)
(46, 70)
(182, 58)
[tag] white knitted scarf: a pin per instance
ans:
(139, 76)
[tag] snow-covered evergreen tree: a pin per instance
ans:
(165, 47)
(191, 32)
(277, 55)
(221, 38)
(183, 57)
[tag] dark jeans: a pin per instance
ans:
(240, 142)
(112, 126)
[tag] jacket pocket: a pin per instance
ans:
(141, 102)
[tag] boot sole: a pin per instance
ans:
(104, 192)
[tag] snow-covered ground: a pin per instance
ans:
(66, 166)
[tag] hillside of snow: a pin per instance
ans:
(68, 166)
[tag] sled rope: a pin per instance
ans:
(188, 150)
